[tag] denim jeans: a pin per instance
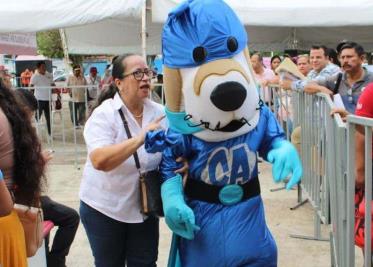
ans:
(77, 112)
(116, 243)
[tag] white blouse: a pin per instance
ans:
(116, 193)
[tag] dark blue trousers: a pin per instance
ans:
(119, 244)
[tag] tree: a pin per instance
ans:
(49, 44)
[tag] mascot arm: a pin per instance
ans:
(272, 132)
(285, 160)
(179, 217)
(171, 145)
(280, 152)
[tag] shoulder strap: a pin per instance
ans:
(125, 124)
(337, 83)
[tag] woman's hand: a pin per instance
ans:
(154, 125)
(285, 84)
(47, 155)
(264, 83)
(183, 170)
(275, 80)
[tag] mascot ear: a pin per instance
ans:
(172, 89)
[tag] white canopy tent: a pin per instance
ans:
(103, 19)
(113, 36)
(275, 25)
(272, 26)
(114, 26)
(40, 15)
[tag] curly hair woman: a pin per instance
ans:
(22, 164)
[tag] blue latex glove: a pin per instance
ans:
(285, 160)
(1, 176)
(179, 217)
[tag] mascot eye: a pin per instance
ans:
(232, 44)
(199, 54)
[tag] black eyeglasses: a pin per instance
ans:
(139, 74)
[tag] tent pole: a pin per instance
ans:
(143, 31)
(65, 49)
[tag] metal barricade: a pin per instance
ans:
(318, 130)
(328, 156)
(367, 124)
(335, 170)
(282, 106)
(65, 138)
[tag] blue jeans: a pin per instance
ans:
(116, 243)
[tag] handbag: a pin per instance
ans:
(32, 222)
(150, 183)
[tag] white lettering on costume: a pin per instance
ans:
(229, 165)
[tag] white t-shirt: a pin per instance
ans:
(93, 90)
(116, 193)
(39, 81)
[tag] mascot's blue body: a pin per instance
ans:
(219, 125)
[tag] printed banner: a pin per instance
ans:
(18, 43)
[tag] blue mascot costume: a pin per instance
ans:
(218, 124)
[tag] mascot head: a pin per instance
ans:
(209, 83)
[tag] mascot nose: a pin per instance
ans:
(228, 96)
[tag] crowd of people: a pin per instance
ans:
(341, 74)
(109, 196)
(83, 91)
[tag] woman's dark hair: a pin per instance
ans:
(117, 72)
(29, 164)
(27, 98)
(260, 57)
(274, 57)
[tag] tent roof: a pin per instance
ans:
(272, 25)
(289, 13)
(114, 26)
(40, 15)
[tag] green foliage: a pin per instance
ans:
(49, 44)
(76, 59)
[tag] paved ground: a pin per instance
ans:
(63, 186)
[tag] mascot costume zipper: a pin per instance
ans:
(218, 124)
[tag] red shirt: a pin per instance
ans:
(364, 107)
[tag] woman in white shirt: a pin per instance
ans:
(110, 200)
